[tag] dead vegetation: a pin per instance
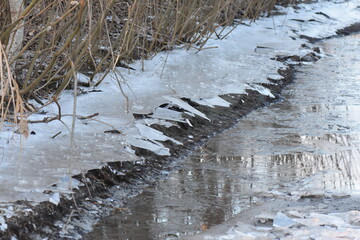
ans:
(60, 38)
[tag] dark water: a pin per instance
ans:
(315, 130)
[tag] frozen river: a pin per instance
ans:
(305, 145)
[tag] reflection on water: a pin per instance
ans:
(310, 141)
(212, 188)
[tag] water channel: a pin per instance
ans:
(287, 146)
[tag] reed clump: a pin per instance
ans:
(60, 38)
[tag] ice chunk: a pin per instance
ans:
(354, 218)
(188, 122)
(282, 220)
(186, 106)
(218, 101)
(54, 198)
(65, 182)
(262, 90)
(151, 121)
(203, 102)
(296, 214)
(153, 134)
(168, 114)
(215, 101)
(275, 76)
(264, 219)
(314, 193)
(152, 146)
(239, 235)
(317, 219)
(3, 225)
(82, 78)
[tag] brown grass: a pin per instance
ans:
(11, 102)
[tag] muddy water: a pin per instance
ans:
(281, 149)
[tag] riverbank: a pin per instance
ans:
(181, 123)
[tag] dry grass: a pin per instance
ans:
(91, 36)
(11, 102)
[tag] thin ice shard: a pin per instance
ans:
(186, 106)
(152, 134)
(218, 101)
(55, 198)
(211, 102)
(168, 114)
(152, 146)
(262, 90)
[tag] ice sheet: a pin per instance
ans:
(29, 167)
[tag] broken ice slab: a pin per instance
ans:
(261, 89)
(152, 146)
(283, 221)
(264, 219)
(152, 121)
(315, 193)
(218, 101)
(66, 183)
(275, 76)
(3, 225)
(317, 220)
(239, 235)
(54, 198)
(184, 105)
(295, 214)
(152, 134)
(211, 102)
(203, 102)
(168, 114)
(338, 234)
(352, 217)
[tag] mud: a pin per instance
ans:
(96, 197)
